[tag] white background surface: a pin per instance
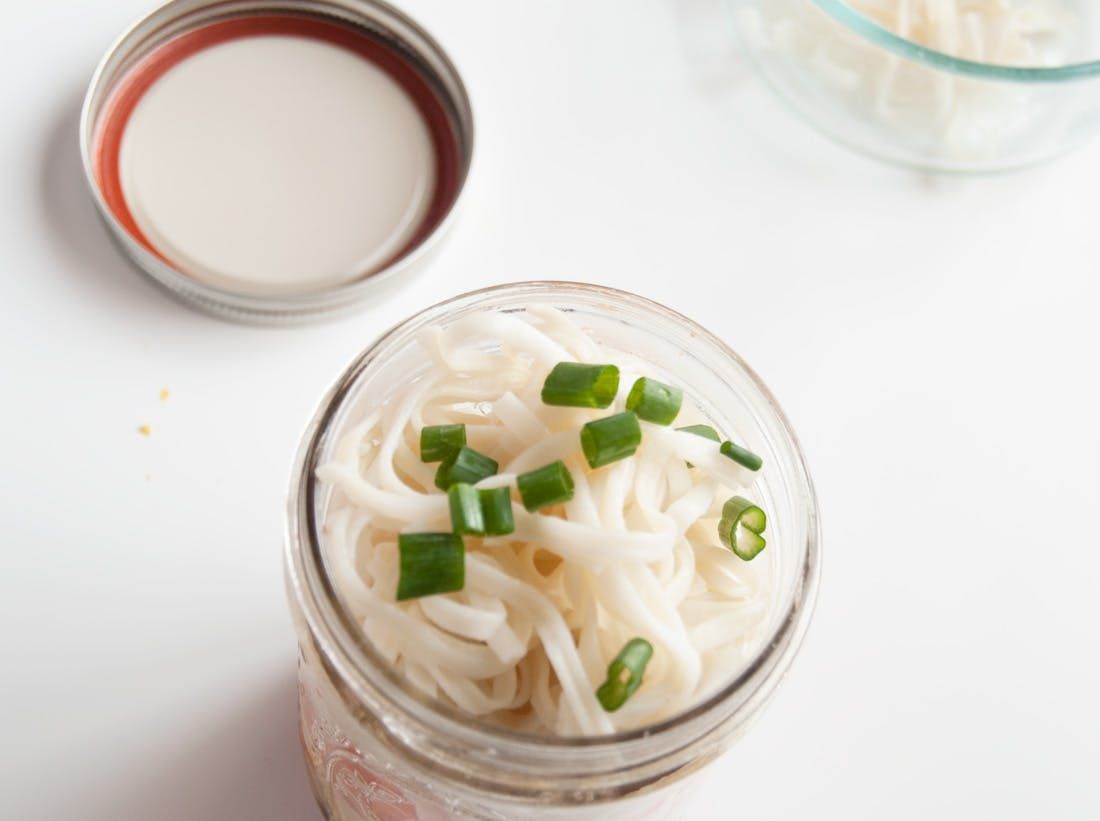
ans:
(933, 340)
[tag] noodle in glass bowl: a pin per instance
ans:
(950, 85)
(397, 725)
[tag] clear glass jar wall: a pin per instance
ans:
(376, 748)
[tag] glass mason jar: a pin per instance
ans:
(376, 748)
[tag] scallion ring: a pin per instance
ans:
(464, 465)
(706, 431)
(742, 456)
(551, 484)
(440, 442)
(431, 563)
(624, 674)
(607, 440)
(654, 401)
(496, 511)
(740, 527)
(466, 515)
(573, 384)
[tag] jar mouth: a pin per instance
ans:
(361, 667)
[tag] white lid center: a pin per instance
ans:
(278, 163)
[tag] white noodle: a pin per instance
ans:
(955, 116)
(546, 608)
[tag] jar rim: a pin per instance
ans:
(359, 665)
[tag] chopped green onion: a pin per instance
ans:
(654, 401)
(742, 456)
(549, 485)
(496, 510)
(706, 431)
(464, 465)
(438, 442)
(466, 515)
(624, 674)
(740, 527)
(576, 385)
(610, 439)
(431, 563)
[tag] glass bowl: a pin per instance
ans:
(376, 747)
(898, 100)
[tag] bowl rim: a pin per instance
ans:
(868, 29)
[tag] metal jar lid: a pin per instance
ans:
(113, 92)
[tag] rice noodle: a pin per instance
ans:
(953, 115)
(545, 609)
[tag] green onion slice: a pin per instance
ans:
(496, 511)
(706, 431)
(745, 458)
(549, 485)
(466, 514)
(431, 563)
(624, 674)
(464, 465)
(576, 385)
(439, 442)
(654, 401)
(610, 439)
(740, 527)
